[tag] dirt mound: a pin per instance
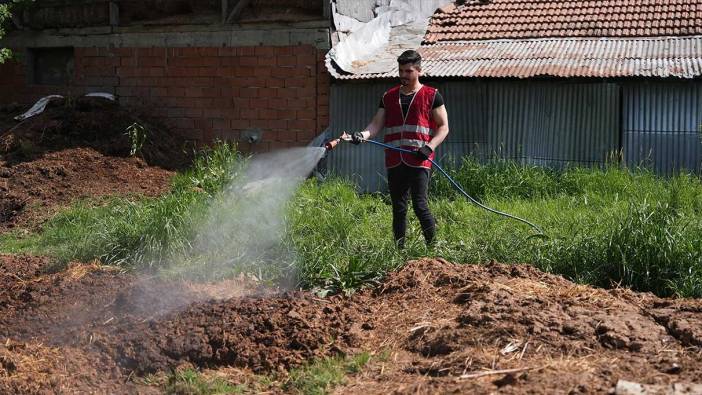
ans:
(260, 334)
(79, 147)
(92, 122)
(31, 191)
(32, 368)
(447, 322)
(444, 328)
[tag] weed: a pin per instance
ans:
(190, 382)
(137, 134)
(322, 375)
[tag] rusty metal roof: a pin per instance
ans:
(502, 19)
(679, 57)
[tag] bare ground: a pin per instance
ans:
(443, 327)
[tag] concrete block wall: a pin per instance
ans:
(202, 93)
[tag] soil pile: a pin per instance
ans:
(443, 327)
(79, 148)
(90, 122)
(442, 321)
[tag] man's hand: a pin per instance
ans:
(424, 152)
(357, 138)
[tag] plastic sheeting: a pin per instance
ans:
(374, 46)
(41, 104)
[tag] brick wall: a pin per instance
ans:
(203, 93)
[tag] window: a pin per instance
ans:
(50, 66)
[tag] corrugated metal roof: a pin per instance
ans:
(482, 20)
(679, 57)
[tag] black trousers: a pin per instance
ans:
(405, 181)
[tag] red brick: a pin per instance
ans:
(246, 51)
(182, 123)
(229, 61)
(248, 61)
(130, 62)
(187, 52)
(262, 72)
(267, 113)
(286, 114)
(182, 71)
(305, 124)
(310, 113)
(222, 102)
(287, 61)
(150, 61)
(226, 51)
(208, 51)
(201, 123)
(193, 92)
(155, 71)
(220, 124)
(273, 124)
(176, 91)
(297, 82)
(305, 92)
(193, 112)
(264, 51)
(245, 72)
(267, 61)
(248, 114)
(98, 71)
(100, 81)
(176, 112)
(250, 93)
(194, 81)
(307, 135)
(283, 136)
(240, 124)
(299, 103)
(274, 82)
(194, 61)
(130, 71)
(208, 71)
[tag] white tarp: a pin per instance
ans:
(41, 104)
(374, 46)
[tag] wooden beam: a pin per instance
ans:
(225, 10)
(238, 8)
(114, 13)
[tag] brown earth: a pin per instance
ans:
(78, 148)
(438, 325)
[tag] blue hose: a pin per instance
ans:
(458, 187)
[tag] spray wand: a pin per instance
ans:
(346, 137)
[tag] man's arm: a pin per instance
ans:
(376, 124)
(440, 118)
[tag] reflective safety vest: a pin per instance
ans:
(411, 132)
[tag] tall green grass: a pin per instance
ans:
(605, 226)
(134, 232)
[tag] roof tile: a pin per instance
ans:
(564, 18)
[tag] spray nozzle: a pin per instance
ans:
(330, 145)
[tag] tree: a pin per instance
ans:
(7, 9)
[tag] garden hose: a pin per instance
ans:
(540, 233)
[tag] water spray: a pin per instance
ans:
(329, 146)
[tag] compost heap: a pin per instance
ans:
(78, 147)
(432, 326)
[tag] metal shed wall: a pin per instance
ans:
(550, 123)
(662, 123)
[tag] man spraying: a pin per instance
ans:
(414, 118)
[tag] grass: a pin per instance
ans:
(320, 376)
(191, 382)
(605, 226)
